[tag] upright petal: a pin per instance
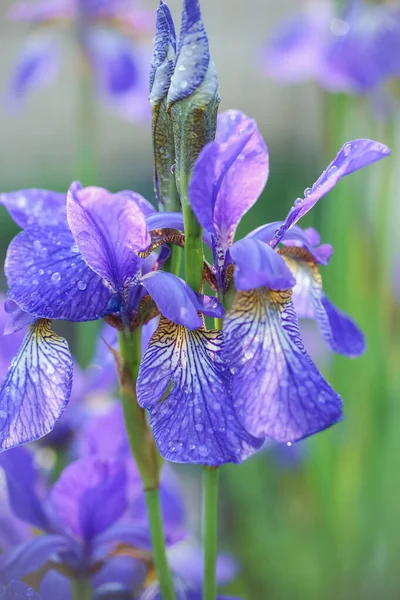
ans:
(49, 278)
(186, 386)
(353, 156)
(37, 66)
(23, 483)
(36, 389)
(229, 176)
(77, 498)
(338, 330)
(109, 229)
(163, 59)
(177, 301)
(277, 390)
(35, 207)
(256, 264)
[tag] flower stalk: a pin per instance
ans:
(81, 589)
(144, 452)
(210, 531)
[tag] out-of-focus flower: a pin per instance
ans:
(355, 51)
(109, 36)
(277, 390)
(83, 256)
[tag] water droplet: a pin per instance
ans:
(347, 149)
(173, 169)
(34, 296)
(181, 68)
(192, 446)
(41, 271)
(44, 252)
(307, 192)
(298, 202)
(331, 171)
(289, 444)
(37, 244)
(203, 450)
(35, 282)
(81, 285)
(233, 370)
(199, 427)
(3, 414)
(183, 84)
(56, 278)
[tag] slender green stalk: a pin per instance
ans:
(194, 255)
(210, 531)
(144, 453)
(81, 589)
(158, 544)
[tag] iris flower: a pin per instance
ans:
(258, 365)
(104, 31)
(78, 260)
(355, 51)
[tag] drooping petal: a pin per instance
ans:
(353, 156)
(17, 590)
(23, 487)
(338, 330)
(119, 576)
(177, 301)
(49, 278)
(17, 319)
(30, 556)
(256, 264)
(35, 207)
(109, 229)
(229, 176)
(9, 344)
(77, 498)
(37, 66)
(54, 585)
(36, 389)
(277, 390)
(196, 421)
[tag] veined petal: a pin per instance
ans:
(277, 390)
(36, 389)
(338, 330)
(177, 301)
(193, 54)
(109, 229)
(196, 421)
(256, 265)
(353, 156)
(35, 207)
(22, 483)
(17, 319)
(17, 590)
(37, 66)
(77, 498)
(49, 278)
(229, 176)
(163, 59)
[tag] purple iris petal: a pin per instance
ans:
(296, 51)
(113, 61)
(49, 278)
(338, 330)
(30, 556)
(277, 390)
(54, 585)
(36, 388)
(108, 229)
(13, 531)
(353, 156)
(9, 344)
(77, 498)
(195, 422)
(256, 265)
(35, 207)
(177, 301)
(186, 560)
(173, 220)
(163, 59)
(17, 590)
(23, 487)
(17, 320)
(193, 54)
(40, 10)
(119, 574)
(94, 441)
(229, 176)
(37, 66)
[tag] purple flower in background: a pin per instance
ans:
(276, 389)
(82, 254)
(108, 34)
(355, 51)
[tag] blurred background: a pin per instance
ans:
(319, 519)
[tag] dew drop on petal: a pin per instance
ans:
(183, 84)
(173, 169)
(81, 285)
(199, 427)
(203, 450)
(37, 244)
(56, 278)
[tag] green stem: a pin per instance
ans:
(81, 589)
(158, 544)
(144, 452)
(194, 255)
(210, 531)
